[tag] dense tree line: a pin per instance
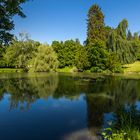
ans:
(105, 49)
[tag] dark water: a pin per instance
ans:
(61, 106)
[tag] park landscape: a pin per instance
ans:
(68, 90)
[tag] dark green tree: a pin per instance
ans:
(129, 35)
(81, 59)
(9, 8)
(97, 55)
(66, 52)
(96, 26)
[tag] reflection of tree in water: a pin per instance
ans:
(45, 87)
(24, 91)
(107, 96)
(2, 89)
(96, 107)
(124, 91)
(67, 87)
(21, 92)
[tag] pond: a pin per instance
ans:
(62, 106)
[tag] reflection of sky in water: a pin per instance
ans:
(138, 105)
(108, 119)
(49, 119)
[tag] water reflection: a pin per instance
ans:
(24, 91)
(102, 96)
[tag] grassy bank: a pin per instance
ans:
(132, 68)
(67, 69)
(10, 70)
(129, 68)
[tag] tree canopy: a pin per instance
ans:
(9, 8)
(45, 60)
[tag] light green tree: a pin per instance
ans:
(45, 60)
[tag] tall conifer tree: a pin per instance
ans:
(96, 29)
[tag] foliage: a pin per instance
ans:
(8, 9)
(97, 55)
(113, 64)
(66, 52)
(117, 43)
(96, 29)
(122, 27)
(129, 35)
(2, 52)
(127, 125)
(65, 69)
(110, 134)
(45, 60)
(136, 47)
(81, 59)
(19, 53)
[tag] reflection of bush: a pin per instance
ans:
(25, 91)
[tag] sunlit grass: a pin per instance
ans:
(66, 69)
(134, 67)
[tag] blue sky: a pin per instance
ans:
(49, 20)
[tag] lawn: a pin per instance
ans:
(134, 67)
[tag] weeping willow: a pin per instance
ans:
(117, 43)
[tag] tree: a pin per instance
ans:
(45, 60)
(122, 27)
(9, 8)
(81, 59)
(66, 52)
(96, 29)
(129, 35)
(19, 53)
(119, 44)
(113, 64)
(136, 36)
(2, 52)
(97, 55)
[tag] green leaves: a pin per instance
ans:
(96, 26)
(19, 53)
(9, 8)
(45, 60)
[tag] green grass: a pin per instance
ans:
(10, 70)
(132, 68)
(66, 69)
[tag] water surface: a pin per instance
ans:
(62, 106)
